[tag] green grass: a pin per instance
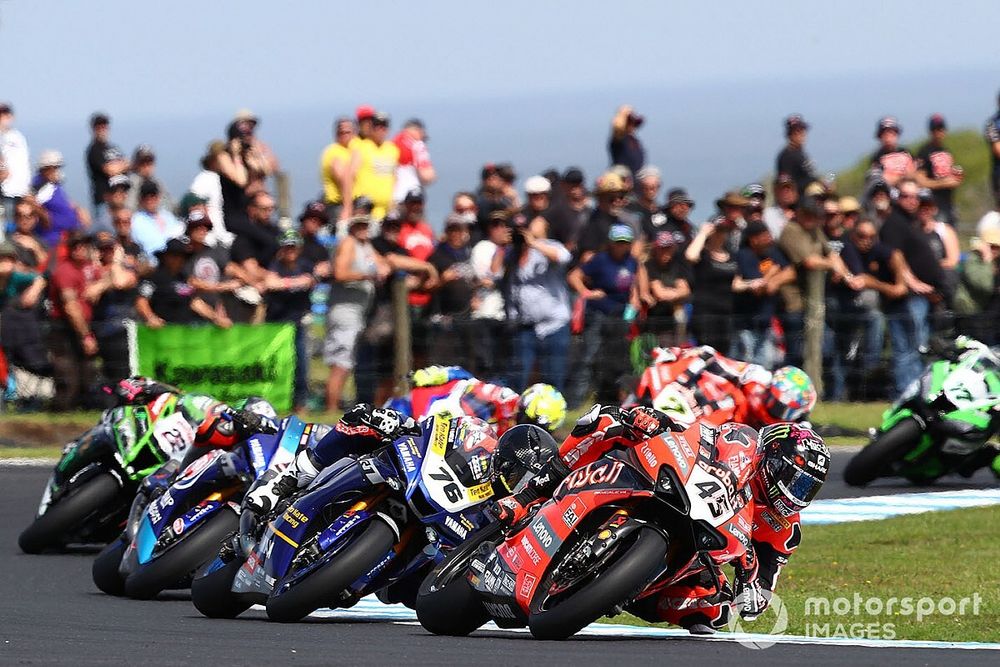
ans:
(40, 452)
(936, 555)
(857, 416)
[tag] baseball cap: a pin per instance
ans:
(149, 189)
(649, 171)
(506, 171)
(198, 218)
(414, 196)
(364, 111)
(315, 209)
(816, 189)
(754, 191)
(754, 228)
(189, 201)
(678, 196)
(925, 196)
(887, 123)
(50, 158)
(795, 122)
(246, 115)
(119, 181)
(667, 239)
(99, 118)
(936, 122)
(289, 239)
(573, 176)
(989, 236)
(456, 220)
(849, 204)
(609, 183)
(5, 107)
(622, 233)
(537, 185)
(143, 153)
(175, 246)
(380, 118)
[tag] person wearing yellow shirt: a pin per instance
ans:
(377, 159)
(337, 169)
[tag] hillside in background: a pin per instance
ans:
(970, 151)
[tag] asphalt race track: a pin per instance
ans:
(51, 613)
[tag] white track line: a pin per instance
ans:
(868, 508)
(28, 463)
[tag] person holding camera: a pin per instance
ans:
(624, 147)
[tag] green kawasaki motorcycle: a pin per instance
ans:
(941, 424)
(88, 496)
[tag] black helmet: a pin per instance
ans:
(523, 449)
(258, 406)
(796, 462)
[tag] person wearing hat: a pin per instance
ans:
(113, 295)
(364, 115)
(624, 146)
(312, 220)
(206, 187)
(338, 166)
(166, 296)
(452, 339)
(850, 208)
(571, 210)
(206, 264)
(357, 270)
(895, 161)
(879, 198)
(755, 194)
(104, 160)
(976, 305)
(786, 200)
(142, 169)
(538, 192)
(65, 216)
(377, 158)
(678, 209)
(115, 196)
(71, 341)
(152, 224)
(644, 212)
(792, 159)
(244, 127)
(15, 163)
(289, 282)
(610, 194)
(607, 282)
(936, 169)
(665, 286)
(942, 239)
(732, 205)
(713, 268)
(415, 169)
(761, 271)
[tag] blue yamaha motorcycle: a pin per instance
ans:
(174, 530)
(371, 523)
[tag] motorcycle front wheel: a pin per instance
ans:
(212, 592)
(885, 449)
(105, 568)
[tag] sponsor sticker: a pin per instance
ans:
(528, 582)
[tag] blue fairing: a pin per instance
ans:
(262, 447)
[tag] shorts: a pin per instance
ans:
(344, 323)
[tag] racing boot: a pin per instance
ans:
(276, 485)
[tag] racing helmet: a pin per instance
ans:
(791, 395)
(258, 406)
(520, 452)
(795, 465)
(542, 405)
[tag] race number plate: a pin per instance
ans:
(173, 434)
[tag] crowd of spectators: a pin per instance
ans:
(554, 280)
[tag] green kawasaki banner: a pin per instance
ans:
(229, 364)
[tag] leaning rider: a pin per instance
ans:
(792, 465)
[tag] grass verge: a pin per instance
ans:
(929, 558)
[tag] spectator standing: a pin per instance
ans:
(731, 205)
(143, 170)
(254, 249)
(610, 193)
(895, 161)
(311, 221)
(260, 159)
(850, 208)
(113, 296)
(72, 343)
(32, 251)
(104, 161)
(16, 163)
(761, 271)
(537, 302)
(792, 159)
(571, 210)
(713, 270)
(879, 202)
(289, 281)
(755, 194)
(607, 281)
(166, 296)
(491, 196)
(338, 165)
(624, 146)
(206, 267)
(357, 269)
(679, 207)
(936, 169)
(241, 170)
(487, 303)
(21, 294)
(152, 224)
(538, 191)
(121, 220)
(942, 239)
(664, 288)
(645, 212)
(977, 299)
(65, 217)
(452, 339)
(786, 199)
(207, 185)
(992, 135)
(376, 167)
(415, 169)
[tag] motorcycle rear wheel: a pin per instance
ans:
(317, 589)
(174, 566)
(617, 583)
(105, 569)
(212, 593)
(885, 449)
(66, 516)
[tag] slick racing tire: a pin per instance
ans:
(212, 592)
(615, 584)
(105, 568)
(887, 448)
(320, 588)
(446, 603)
(175, 565)
(68, 514)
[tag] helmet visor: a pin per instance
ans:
(799, 486)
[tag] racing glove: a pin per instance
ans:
(647, 422)
(379, 423)
(512, 509)
(750, 595)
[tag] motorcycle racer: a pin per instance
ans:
(709, 382)
(452, 388)
(789, 464)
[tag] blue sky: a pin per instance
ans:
(534, 82)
